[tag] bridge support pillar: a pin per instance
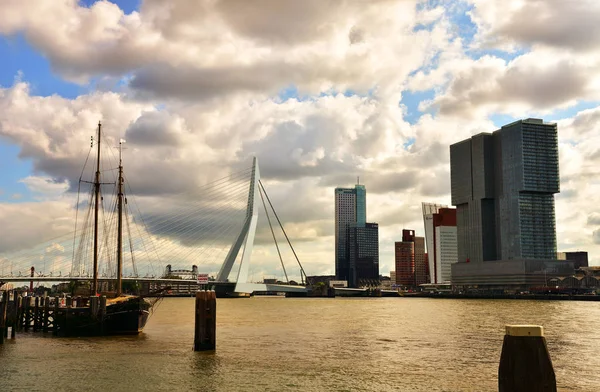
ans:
(205, 321)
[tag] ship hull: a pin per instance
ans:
(124, 316)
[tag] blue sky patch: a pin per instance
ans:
(128, 6)
(13, 169)
(18, 56)
(411, 101)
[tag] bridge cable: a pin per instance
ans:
(284, 233)
(273, 233)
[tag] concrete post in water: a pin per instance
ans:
(206, 321)
(525, 363)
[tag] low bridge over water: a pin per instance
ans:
(228, 280)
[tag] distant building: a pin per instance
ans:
(440, 238)
(393, 276)
(410, 260)
(503, 187)
(350, 210)
(579, 259)
(404, 253)
(363, 255)
(338, 283)
(325, 279)
(356, 241)
(420, 261)
(428, 210)
(445, 252)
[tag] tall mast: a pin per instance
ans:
(96, 206)
(120, 225)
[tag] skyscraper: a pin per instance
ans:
(363, 255)
(445, 250)
(503, 187)
(440, 238)
(410, 259)
(351, 213)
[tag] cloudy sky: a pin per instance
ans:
(320, 91)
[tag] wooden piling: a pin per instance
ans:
(26, 308)
(46, 317)
(3, 309)
(525, 363)
(36, 314)
(205, 322)
(102, 313)
(55, 316)
(15, 315)
(20, 313)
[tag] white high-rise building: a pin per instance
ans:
(446, 253)
(441, 239)
(428, 210)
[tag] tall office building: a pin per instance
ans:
(350, 209)
(440, 238)
(410, 259)
(503, 187)
(445, 251)
(363, 255)
(428, 210)
(356, 241)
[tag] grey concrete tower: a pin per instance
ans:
(528, 172)
(503, 187)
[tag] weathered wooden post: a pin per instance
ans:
(20, 312)
(46, 314)
(525, 363)
(15, 318)
(206, 321)
(102, 313)
(36, 307)
(3, 308)
(55, 316)
(27, 311)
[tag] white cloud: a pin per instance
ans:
(572, 26)
(45, 187)
(203, 97)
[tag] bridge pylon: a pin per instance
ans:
(247, 234)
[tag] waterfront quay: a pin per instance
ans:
(316, 344)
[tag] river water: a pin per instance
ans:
(321, 344)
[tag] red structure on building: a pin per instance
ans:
(410, 260)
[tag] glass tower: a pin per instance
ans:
(350, 211)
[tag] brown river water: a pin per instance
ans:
(320, 344)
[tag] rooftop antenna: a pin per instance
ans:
(357, 180)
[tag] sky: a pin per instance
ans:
(320, 91)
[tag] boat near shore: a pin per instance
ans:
(115, 312)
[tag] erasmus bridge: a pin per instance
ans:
(214, 229)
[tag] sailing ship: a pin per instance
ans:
(118, 314)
